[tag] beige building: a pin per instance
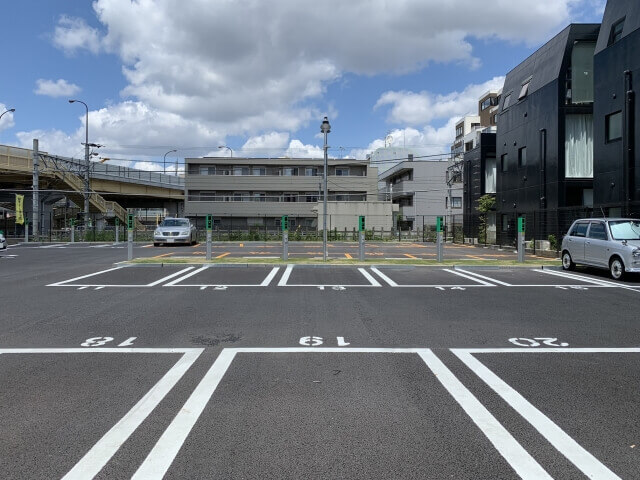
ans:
(242, 193)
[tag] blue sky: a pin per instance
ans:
(259, 76)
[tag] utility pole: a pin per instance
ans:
(35, 187)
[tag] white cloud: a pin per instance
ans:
(267, 145)
(411, 108)
(55, 88)
(72, 34)
(297, 149)
(245, 68)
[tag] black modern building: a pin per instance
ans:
(616, 110)
(544, 142)
(479, 176)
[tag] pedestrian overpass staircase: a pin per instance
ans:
(18, 160)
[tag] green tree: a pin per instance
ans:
(486, 203)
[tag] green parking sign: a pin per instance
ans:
(130, 221)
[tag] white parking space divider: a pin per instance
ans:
(287, 273)
(166, 449)
(566, 445)
(98, 456)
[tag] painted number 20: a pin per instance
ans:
(537, 341)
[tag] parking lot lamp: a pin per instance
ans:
(164, 160)
(325, 128)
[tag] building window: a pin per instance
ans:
(456, 202)
(507, 102)
(504, 163)
(206, 170)
(616, 31)
(342, 171)
(580, 87)
(459, 130)
(522, 157)
(524, 90)
(311, 172)
(312, 197)
(241, 170)
(613, 127)
(290, 171)
(490, 175)
(578, 146)
(494, 119)
(468, 146)
(289, 197)
(259, 171)
(489, 102)
(505, 222)
(258, 196)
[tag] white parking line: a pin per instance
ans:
(272, 274)
(566, 445)
(98, 456)
(384, 277)
(84, 276)
(285, 276)
(191, 274)
(493, 280)
(595, 281)
(169, 277)
(368, 276)
(166, 449)
(468, 277)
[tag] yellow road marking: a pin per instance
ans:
(147, 246)
(476, 257)
(347, 255)
(241, 245)
(224, 255)
(409, 255)
(196, 245)
(163, 255)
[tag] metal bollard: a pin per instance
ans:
(361, 246)
(208, 244)
(117, 234)
(73, 234)
(130, 245)
(439, 247)
(285, 245)
(521, 247)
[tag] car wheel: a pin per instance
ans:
(616, 268)
(156, 244)
(567, 262)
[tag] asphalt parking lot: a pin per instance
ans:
(306, 371)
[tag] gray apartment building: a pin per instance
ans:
(242, 193)
(420, 190)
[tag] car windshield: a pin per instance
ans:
(174, 222)
(625, 229)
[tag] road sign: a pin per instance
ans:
(284, 223)
(209, 222)
(117, 221)
(439, 223)
(521, 224)
(130, 222)
(361, 223)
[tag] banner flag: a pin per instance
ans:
(20, 209)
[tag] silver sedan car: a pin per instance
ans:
(611, 243)
(3, 242)
(174, 230)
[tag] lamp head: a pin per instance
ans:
(325, 127)
(12, 109)
(71, 101)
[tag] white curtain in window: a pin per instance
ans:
(490, 175)
(578, 146)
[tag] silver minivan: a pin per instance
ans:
(612, 243)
